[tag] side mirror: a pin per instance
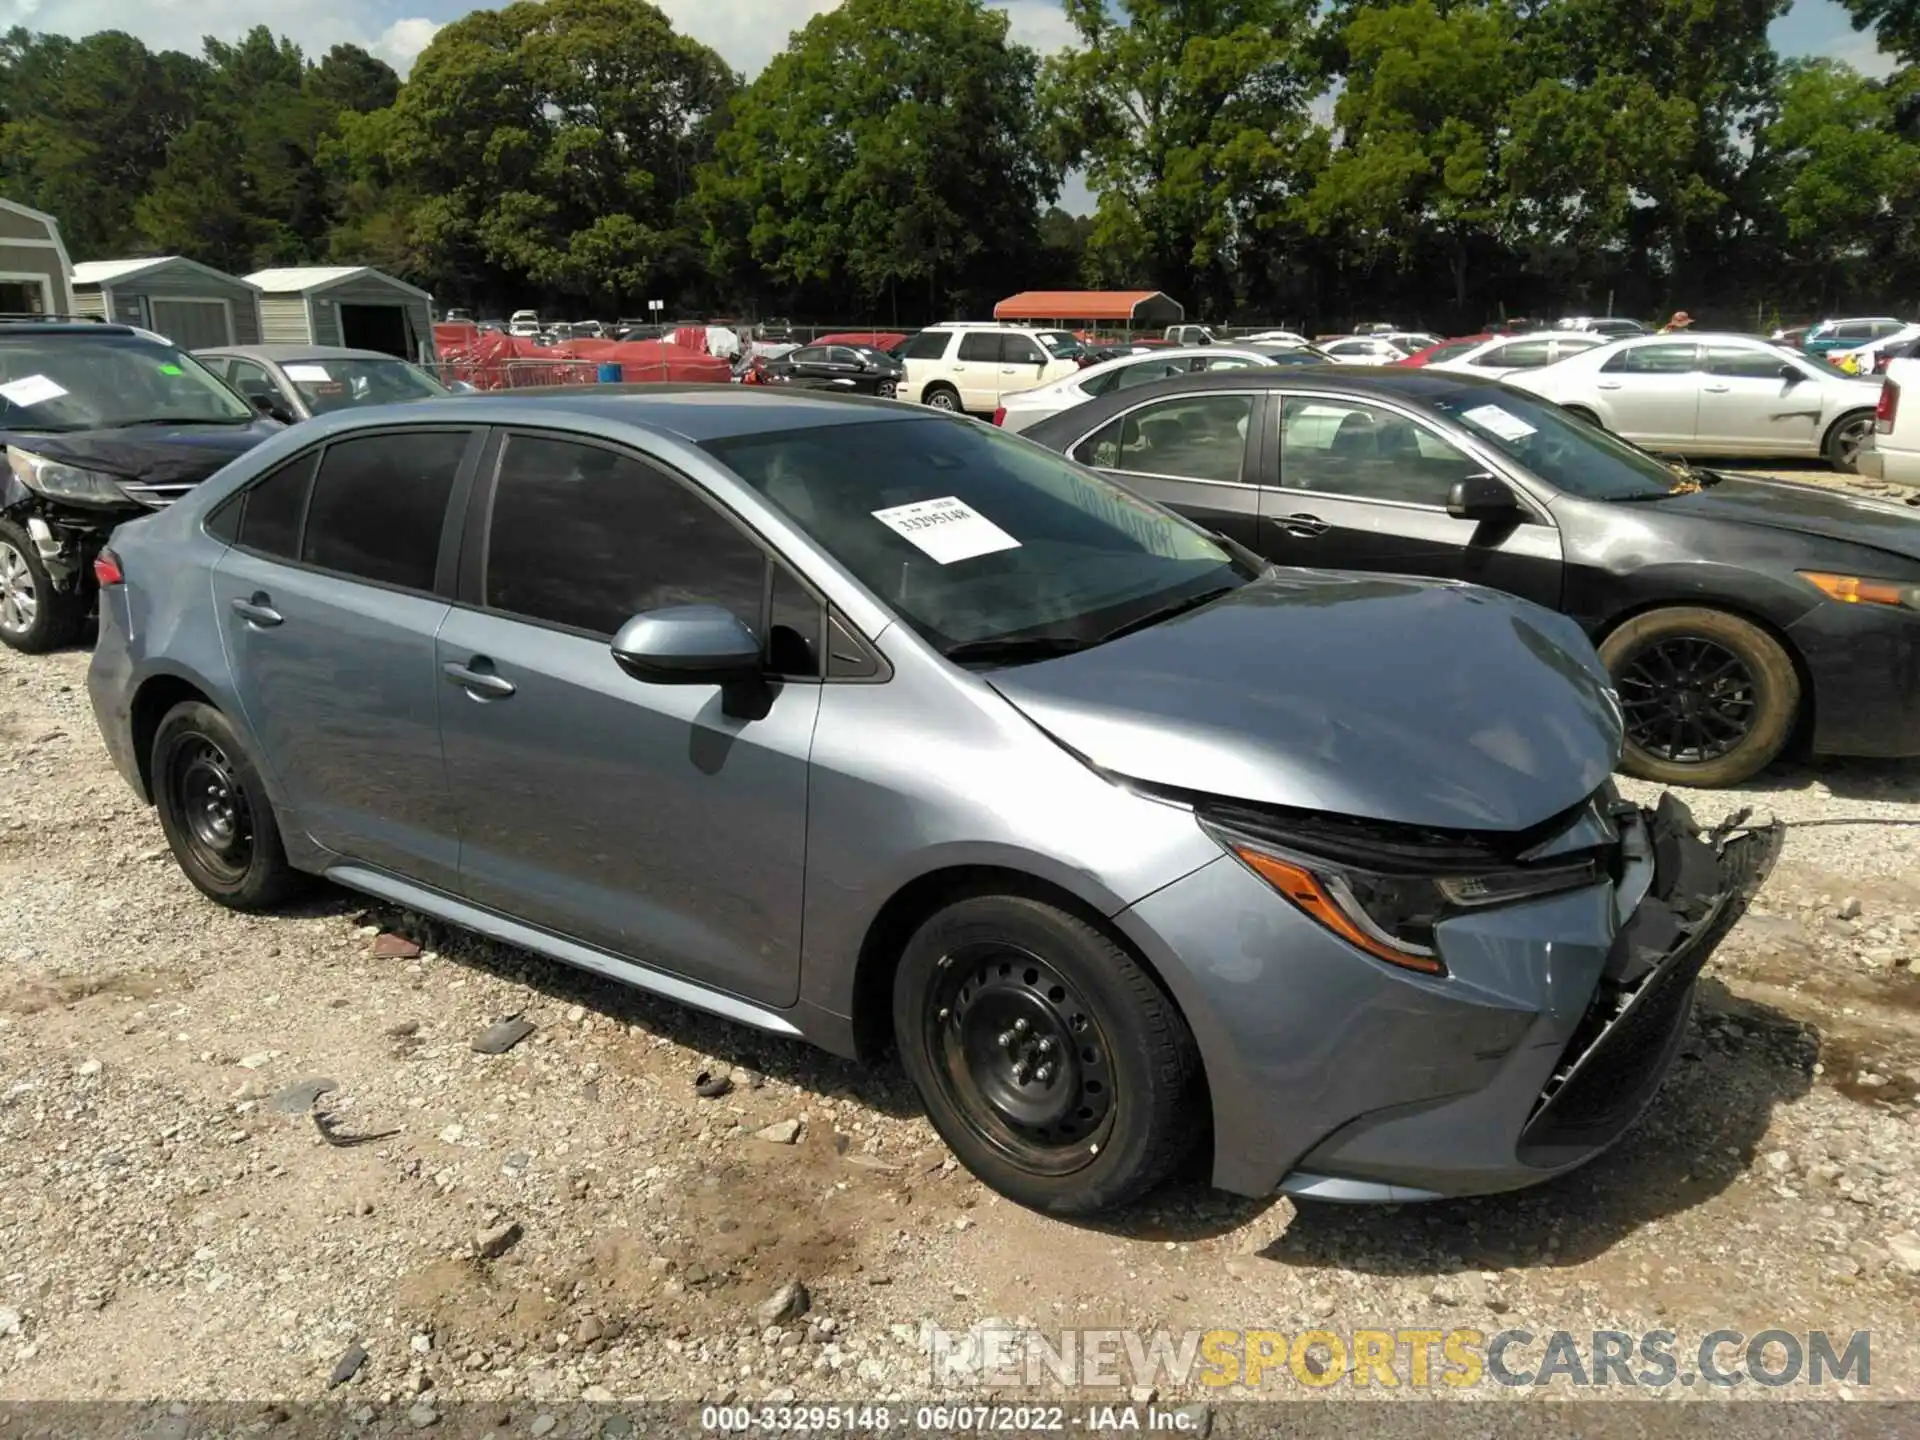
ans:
(688, 645)
(464, 387)
(1791, 374)
(1482, 497)
(266, 403)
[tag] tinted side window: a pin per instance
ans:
(980, 345)
(1019, 350)
(587, 538)
(794, 626)
(927, 345)
(840, 355)
(379, 504)
(812, 355)
(1339, 448)
(1200, 437)
(1148, 371)
(270, 521)
(1521, 355)
(1672, 359)
(1741, 363)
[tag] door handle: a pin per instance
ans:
(1607, 385)
(1302, 527)
(481, 684)
(1716, 389)
(257, 612)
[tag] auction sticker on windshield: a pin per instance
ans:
(308, 372)
(32, 390)
(948, 529)
(1505, 424)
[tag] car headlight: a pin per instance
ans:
(1861, 590)
(58, 480)
(1392, 915)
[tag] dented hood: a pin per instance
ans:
(1410, 701)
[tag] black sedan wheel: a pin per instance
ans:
(1709, 699)
(215, 811)
(1056, 1068)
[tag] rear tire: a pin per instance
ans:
(215, 811)
(942, 397)
(34, 617)
(1690, 674)
(1053, 1065)
(1844, 441)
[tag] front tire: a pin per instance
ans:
(34, 616)
(1710, 699)
(215, 811)
(1845, 440)
(1053, 1065)
(943, 397)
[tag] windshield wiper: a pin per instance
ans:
(1167, 612)
(175, 420)
(1016, 647)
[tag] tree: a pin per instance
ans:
(893, 144)
(553, 142)
(1895, 23)
(1191, 121)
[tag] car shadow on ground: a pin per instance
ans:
(1844, 778)
(1702, 1132)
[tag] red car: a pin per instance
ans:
(1445, 350)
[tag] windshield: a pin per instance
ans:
(1058, 345)
(66, 382)
(333, 384)
(970, 534)
(1819, 364)
(1579, 458)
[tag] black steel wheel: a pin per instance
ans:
(215, 810)
(1055, 1067)
(1707, 698)
(1021, 1056)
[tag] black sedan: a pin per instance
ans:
(1736, 615)
(849, 369)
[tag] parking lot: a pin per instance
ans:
(571, 1219)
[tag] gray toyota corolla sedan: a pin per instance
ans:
(865, 724)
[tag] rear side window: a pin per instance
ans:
(1672, 359)
(379, 504)
(1194, 437)
(1738, 362)
(272, 511)
(980, 346)
(927, 345)
(1521, 355)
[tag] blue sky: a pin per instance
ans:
(746, 32)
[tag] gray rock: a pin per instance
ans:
(781, 1132)
(500, 1038)
(543, 1424)
(348, 1366)
(1904, 1246)
(597, 1395)
(423, 1415)
(781, 1395)
(9, 1320)
(298, 1098)
(1849, 908)
(492, 1243)
(789, 1302)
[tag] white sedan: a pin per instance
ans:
(1509, 354)
(1030, 407)
(1714, 395)
(1364, 350)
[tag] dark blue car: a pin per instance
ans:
(102, 423)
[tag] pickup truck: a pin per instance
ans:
(1189, 335)
(1895, 452)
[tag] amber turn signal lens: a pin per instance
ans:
(1852, 590)
(1306, 891)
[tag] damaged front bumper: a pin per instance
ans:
(1567, 1093)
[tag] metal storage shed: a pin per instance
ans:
(33, 263)
(193, 305)
(344, 305)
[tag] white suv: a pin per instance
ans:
(972, 368)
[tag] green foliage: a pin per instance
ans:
(893, 144)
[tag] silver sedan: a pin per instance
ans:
(1030, 407)
(1715, 395)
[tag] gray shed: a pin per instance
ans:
(33, 263)
(193, 305)
(352, 305)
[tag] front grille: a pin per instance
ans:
(155, 497)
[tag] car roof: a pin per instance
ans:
(63, 327)
(1388, 381)
(280, 354)
(695, 411)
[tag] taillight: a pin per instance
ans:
(1888, 410)
(106, 569)
(1000, 416)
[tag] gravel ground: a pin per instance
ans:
(571, 1220)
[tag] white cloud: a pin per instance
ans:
(181, 24)
(1864, 54)
(749, 33)
(400, 43)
